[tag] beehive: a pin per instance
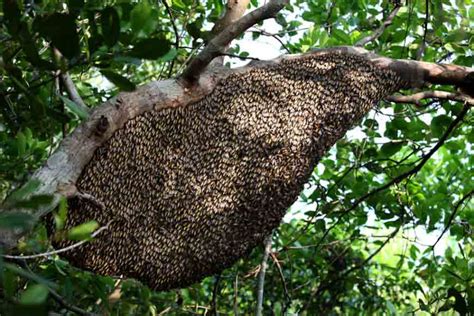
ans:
(191, 190)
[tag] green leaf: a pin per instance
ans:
(16, 220)
(61, 29)
(140, 15)
(121, 82)
(83, 231)
(170, 55)
(178, 4)
(423, 306)
(61, 215)
(74, 108)
(341, 36)
(9, 281)
(151, 48)
(391, 148)
(391, 308)
(35, 201)
(28, 275)
(20, 143)
(34, 295)
(194, 29)
(439, 124)
(110, 22)
(25, 190)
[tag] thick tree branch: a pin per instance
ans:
(234, 10)
(218, 44)
(416, 74)
(381, 29)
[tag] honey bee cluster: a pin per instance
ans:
(190, 190)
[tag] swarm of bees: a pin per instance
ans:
(188, 191)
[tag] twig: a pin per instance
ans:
(326, 23)
(69, 84)
(72, 91)
(57, 251)
(240, 57)
(89, 197)
(176, 34)
(261, 275)
(218, 44)
(453, 215)
(417, 97)
(279, 33)
(165, 311)
(275, 36)
(421, 50)
(213, 308)
(236, 296)
(283, 282)
(68, 306)
(381, 29)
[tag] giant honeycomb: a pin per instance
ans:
(188, 191)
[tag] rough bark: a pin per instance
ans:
(218, 44)
(234, 10)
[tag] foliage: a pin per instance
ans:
(330, 256)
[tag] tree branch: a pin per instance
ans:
(283, 282)
(57, 251)
(176, 34)
(417, 97)
(240, 57)
(215, 293)
(421, 49)
(61, 301)
(416, 74)
(234, 10)
(381, 29)
(72, 92)
(453, 215)
(69, 85)
(218, 44)
(275, 36)
(261, 275)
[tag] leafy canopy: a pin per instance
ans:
(378, 258)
